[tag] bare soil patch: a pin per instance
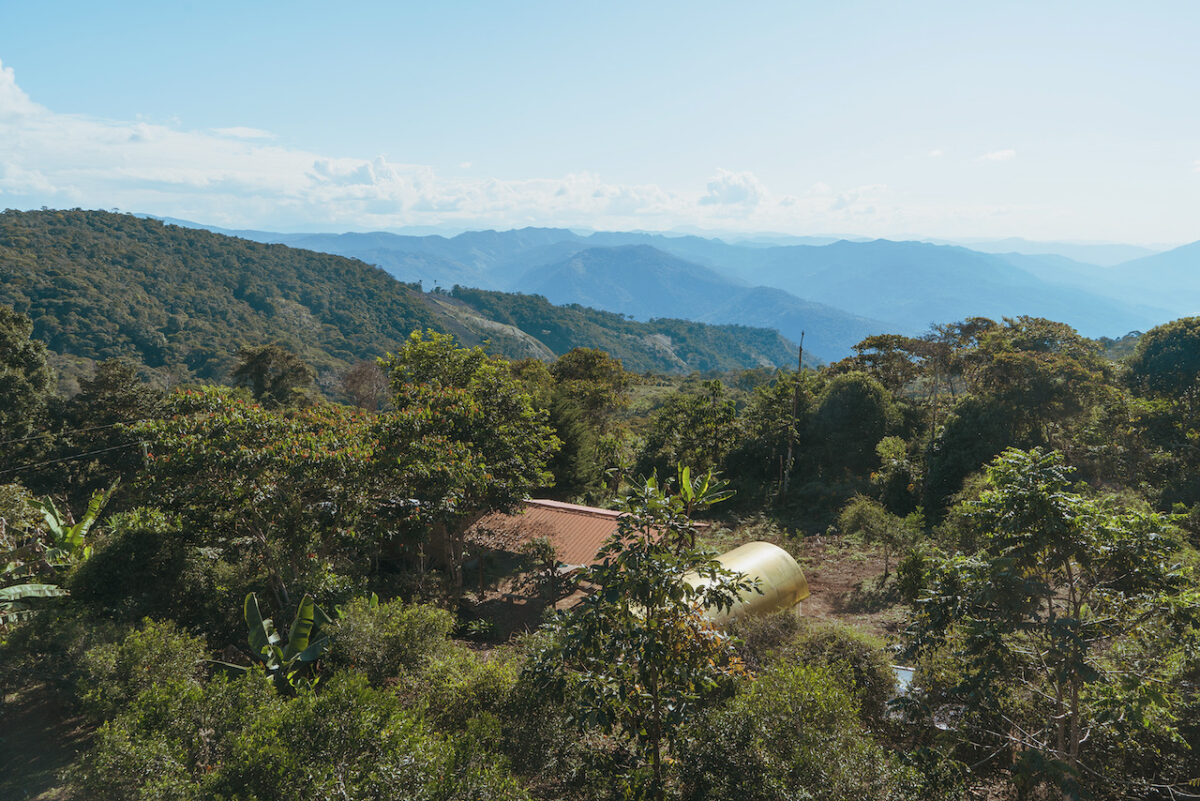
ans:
(845, 582)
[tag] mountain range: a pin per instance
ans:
(182, 301)
(835, 292)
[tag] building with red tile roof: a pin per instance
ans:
(576, 532)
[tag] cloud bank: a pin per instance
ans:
(246, 177)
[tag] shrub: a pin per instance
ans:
(461, 684)
(156, 654)
(761, 636)
(386, 640)
(145, 568)
(347, 741)
(792, 733)
(857, 659)
(51, 648)
(172, 740)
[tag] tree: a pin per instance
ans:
(1023, 628)
(643, 655)
(26, 381)
(777, 415)
(853, 414)
(695, 429)
(98, 420)
(595, 381)
(274, 375)
(1167, 358)
(366, 385)
(868, 519)
(472, 402)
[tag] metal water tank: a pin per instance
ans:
(781, 582)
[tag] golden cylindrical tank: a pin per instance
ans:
(780, 581)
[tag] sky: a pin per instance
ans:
(1075, 121)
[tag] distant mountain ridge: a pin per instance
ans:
(861, 285)
(181, 301)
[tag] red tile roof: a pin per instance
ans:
(576, 532)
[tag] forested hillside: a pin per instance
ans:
(838, 286)
(182, 301)
(257, 591)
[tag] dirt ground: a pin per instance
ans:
(38, 738)
(845, 584)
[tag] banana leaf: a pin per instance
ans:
(20, 592)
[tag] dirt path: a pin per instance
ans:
(38, 738)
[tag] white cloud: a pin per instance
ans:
(728, 188)
(240, 132)
(935, 153)
(243, 178)
(999, 155)
(13, 101)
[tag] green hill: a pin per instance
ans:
(182, 301)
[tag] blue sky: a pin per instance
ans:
(1044, 120)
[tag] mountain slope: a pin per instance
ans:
(637, 280)
(182, 301)
(644, 282)
(909, 285)
(1170, 279)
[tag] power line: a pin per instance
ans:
(69, 458)
(69, 431)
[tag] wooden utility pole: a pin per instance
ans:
(787, 473)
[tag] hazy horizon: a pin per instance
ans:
(933, 121)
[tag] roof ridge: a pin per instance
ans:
(594, 511)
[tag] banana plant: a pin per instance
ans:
(69, 540)
(15, 600)
(285, 658)
(25, 568)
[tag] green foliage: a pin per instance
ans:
(660, 345)
(640, 651)
(1167, 358)
(274, 375)
(182, 301)
(458, 685)
(474, 405)
(152, 655)
(386, 640)
(595, 381)
(695, 429)
(286, 657)
(859, 660)
(97, 421)
(863, 517)
(26, 381)
(854, 412)
(147, 566)
(1060, 578)
(35, 559)
(791, 733)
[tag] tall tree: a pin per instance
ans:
(642, 653)
(475, 403)
(26, 381)
(1028, 621)
(274, 375)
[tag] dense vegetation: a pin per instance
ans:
(181, 302)
(252, 592)
(642, 347)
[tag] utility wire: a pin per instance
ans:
(69, 458)
(69, 431)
